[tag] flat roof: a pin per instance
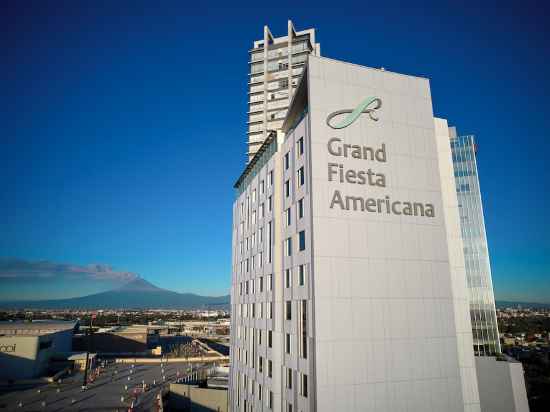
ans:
(35, 328)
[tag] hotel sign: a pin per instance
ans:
(340, 173)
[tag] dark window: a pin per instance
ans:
(302, 240)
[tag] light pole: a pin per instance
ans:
(85, 381)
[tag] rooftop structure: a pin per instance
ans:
(276, 64)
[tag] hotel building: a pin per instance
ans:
(349, 277)
(276, 65)
(349, 289)
(476, 253)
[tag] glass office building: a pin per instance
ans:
(476, 253)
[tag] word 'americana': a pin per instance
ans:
(385, 205)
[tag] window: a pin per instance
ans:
(259, 392)
(301, 275)
(303, 328)
(269, 368)
(270, 203)
(272, 114)
(288, 246)
(288, 278)
(301, 177)
(289, 216)
(287, 160)
(260, 364)
(300, 146)
(262, 284)
(270, 400)
(253, 195)
(262, 210)
(269, 339)
(289, 378)
(260, 235)
(270, 178)
(270, 313)
(289, 407)
(269, 282)
(288, 310)
(262, 187)
(303, 385)
(302, 240)
(283, 82)
(301, 208)
(287, 188)
(287, 343)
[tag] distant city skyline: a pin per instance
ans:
(111, 155)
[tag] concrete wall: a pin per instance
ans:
(386, 331)
(501, 385)
(194, 399)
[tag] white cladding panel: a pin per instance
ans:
(385, 331)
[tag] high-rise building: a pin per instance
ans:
(349, 289)
(476, 252)
(276, 64)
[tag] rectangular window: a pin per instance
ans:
(269, 339)
(287, 160)
(262, 210)
(301, 177)
(270, 178)
(260, 392)
(303, 386)
(302, 240)
(287, 188)
(270, 368)
(270, 400)
(301, 208)
(289, 378)
(288, 310)
(260, 364)
(261, 235)
(253, 195)
(262, 284)
(301, 275)
(289, 216)
(288, 278)
(300, 146)
(289, 407)
(269, 248)
(262, 187)
(287, 343)
(288, 247)
(303, 328)
(269, 282)
(269, 203)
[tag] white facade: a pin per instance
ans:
(375, 286)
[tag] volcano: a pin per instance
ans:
(137, 294)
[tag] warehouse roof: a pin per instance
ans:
(35, 328)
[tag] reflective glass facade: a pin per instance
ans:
(476, 254)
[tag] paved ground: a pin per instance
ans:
(104, 394)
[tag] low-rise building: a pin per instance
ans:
(27, 347)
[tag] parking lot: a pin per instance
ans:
(115, 387)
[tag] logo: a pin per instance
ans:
(7, 348)
(369, 106)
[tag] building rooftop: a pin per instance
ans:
(36, 328)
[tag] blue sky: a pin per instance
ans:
(124, 126)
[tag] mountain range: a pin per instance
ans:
(137, 294)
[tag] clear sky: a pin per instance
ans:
(124, 125)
